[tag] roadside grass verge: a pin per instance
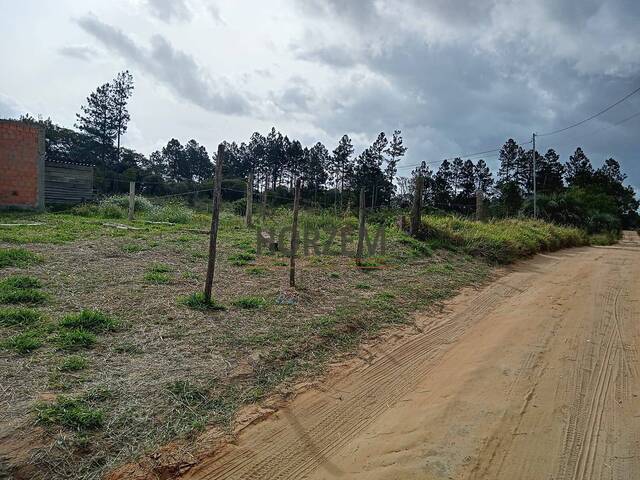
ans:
(501, 241)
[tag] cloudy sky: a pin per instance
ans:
(455, 76)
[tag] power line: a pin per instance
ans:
(591, 117)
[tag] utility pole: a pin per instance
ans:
(535, 193)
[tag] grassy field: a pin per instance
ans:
(106, 353)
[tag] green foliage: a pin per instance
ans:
(18, 257)
(157, 278)
(71, 413)
(502, 241)
(250, 302)
(75, 339)
(11, 316)
(73, 363)
(141, 204)
(197, 301)
(25, 342)
(89, 321)
(15, 295)
(171, 212)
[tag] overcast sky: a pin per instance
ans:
(454, 76)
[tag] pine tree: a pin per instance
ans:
(456, 174)
(120, 93)
(396, 151)
(579, 171)
(483, 176)
(442, 186)
(508, 156)
(549, 173)
(96, 120)
(198, 163)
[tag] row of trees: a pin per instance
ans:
(335, 176)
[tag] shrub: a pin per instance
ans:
(17, 257)
(18, 316)
(24, 343)
(75, 339)
(141, 204)
(71, 413)
(197, 302)
(89, 320)
(171, 212)
(239, 207)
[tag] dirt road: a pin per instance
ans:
(534, 377)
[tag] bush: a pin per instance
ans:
(141, 204)
(171, 212)
(239, 207)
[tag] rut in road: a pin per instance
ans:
(321, 426)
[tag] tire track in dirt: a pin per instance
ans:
(324, 426)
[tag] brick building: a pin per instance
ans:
(28, 179)
(22, 156)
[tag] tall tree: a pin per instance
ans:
(198, 163)
(483, 176)
(549, 173)
(508, 156)
(96, 120)
(342, 159)
(579, 171)
(121, 91)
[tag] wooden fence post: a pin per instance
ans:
(479, 205)
(249, 211)
(132, 199)
(215, 215)
(264, 197)
(361, 228)
(416, 213)
(294, 236)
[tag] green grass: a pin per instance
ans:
(250, 302)
(241, 259)
(259, 271)
(71, 413)
(158, 273)
(73, 363)
(18, 257)
(11, 316)
(501, 241)
(88, 320)
(25, 342)
(20, 282)
(75, 339)
(30, 296)
(197, 301)
(157, 278)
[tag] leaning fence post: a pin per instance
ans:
(417, 208)
(249, 211)
(215, 215)
(361, 228)
(132, 199)
(294, 236)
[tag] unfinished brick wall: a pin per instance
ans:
(21, 165)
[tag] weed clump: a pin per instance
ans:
(11, 316)
(70, 412)
(197, 301)
(24, 343)
(73, 363)
(250, 302)
(21, 289)
(88, 320)
(75, 339)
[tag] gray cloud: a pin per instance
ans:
(172, 67)
(296, 97)
(170, 10)
(9, 108)
(78, 52)
(471, 74)
(215, 13)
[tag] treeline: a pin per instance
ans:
(573, 192)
